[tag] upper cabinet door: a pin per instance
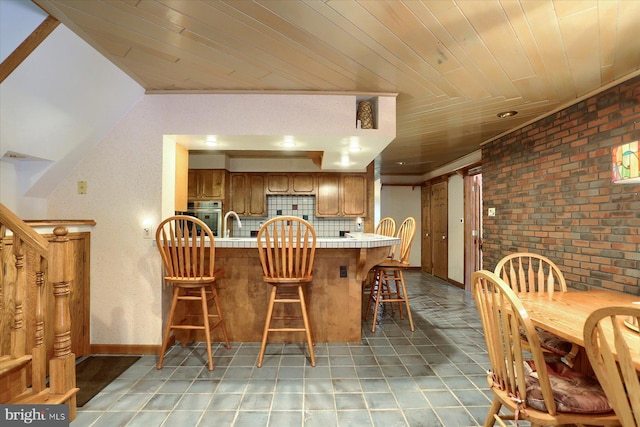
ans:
(328, 196)
(291, 183)
(247, 196)
(277, 183)
(206, 184)
(354, 195)
(303, 183)
(213, 184)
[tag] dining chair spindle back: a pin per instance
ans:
(607, 333)
(529, 272)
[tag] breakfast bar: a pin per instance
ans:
(334, 297)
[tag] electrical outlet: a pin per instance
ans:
(492, 211)
(343, 271)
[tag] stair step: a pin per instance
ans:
(9, 364)
(44, 397)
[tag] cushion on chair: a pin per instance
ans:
(573, 391)
(553, 343)
(550, 342)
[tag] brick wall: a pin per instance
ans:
(550, 183)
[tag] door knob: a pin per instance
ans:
(444, 237)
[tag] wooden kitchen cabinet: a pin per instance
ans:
(247, 194)
(291, 183)
(341, 195)
(206, 184)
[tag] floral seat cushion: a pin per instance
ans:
(553, 343)
(572, 391)
(550, 342)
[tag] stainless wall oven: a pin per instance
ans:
(210, 212)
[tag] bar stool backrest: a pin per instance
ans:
(287, 247)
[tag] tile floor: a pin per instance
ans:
(434, 376)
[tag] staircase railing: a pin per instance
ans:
(23, 350)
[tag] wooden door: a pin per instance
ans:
(439, 220)
(328, 197)
(426, 241)
(473, 227)
(354, 195)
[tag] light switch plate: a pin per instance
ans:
(492, 211)
(82, 187)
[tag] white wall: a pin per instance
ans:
(400, 202)
(455, 216)
(54, 108)
(124, 175)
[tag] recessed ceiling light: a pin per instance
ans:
(354, 149)
(505, 114)
(211, 141)
(288, 141)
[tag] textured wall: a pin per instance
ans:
(550, 183)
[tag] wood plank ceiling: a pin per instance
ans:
(454, 64)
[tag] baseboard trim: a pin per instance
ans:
(455, 283)
(124, 349)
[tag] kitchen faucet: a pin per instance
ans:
(224, 222)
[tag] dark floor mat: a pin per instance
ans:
(96, 372)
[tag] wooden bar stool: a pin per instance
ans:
(386, 227)
(187, 248)
(287, 247)
(388, 285)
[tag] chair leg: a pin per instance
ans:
(207, 329)
(223, 325)
(307, 328)
(267, 325)
(376, 306)
(372, 290)
(495, 408)
(167, 333)
(406, 299)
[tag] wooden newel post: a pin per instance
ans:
(62, 372)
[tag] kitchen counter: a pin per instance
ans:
(334, 301)
(352, 240)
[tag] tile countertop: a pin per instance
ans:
(353, 240)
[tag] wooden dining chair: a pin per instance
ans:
(187, 248)
(389, 286)
(531, 272)
(287, 247)
(545, 392)
(608, 332)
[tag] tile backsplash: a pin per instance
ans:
(300, 206)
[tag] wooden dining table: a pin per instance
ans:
(565, 313)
